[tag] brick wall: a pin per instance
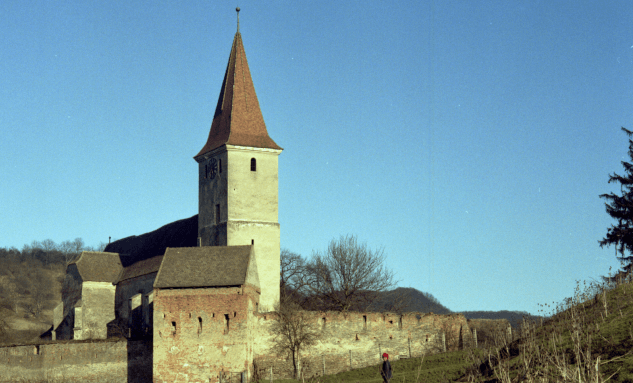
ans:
(199, 333)
(98, 361)
(366, 335)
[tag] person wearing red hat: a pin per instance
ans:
(386, 372)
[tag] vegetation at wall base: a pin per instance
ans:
(435, 368)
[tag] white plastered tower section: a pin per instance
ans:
(238, 177)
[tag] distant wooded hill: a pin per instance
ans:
(405, 299)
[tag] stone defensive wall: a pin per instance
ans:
(78, 361)
(354, 340)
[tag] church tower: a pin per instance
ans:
(237, 173)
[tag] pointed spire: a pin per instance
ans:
(238, 119)
(238, 19)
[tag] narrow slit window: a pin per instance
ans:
(199, 325)
(226, 323)
(220, 165)
(253, 165)
(365, 322)
(173, 328)
(217, 213)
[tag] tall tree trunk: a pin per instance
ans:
(296, 360)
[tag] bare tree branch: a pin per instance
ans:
(293, 331)
(348, 276)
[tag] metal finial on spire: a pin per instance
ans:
(238, 19)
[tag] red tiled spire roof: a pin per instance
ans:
(238, 119)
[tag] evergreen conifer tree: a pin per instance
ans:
(620, 208)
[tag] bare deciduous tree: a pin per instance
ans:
(292, 275)
(48, 245)
(348, 276)
(78, 246)
(40, 292)
(293, 332)
(67, 250)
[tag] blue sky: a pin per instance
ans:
(469, 139)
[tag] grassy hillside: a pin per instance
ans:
(438, 368)
(588, 339)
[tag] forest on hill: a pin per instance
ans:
(30, 285)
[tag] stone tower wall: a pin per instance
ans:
(200, 333)
(211, 192)
(253, 214)
(248, 210)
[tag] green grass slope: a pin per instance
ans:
(588, 339)
(436, 368)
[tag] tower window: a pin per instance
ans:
(217, 213)
(253, 165)
(220, 165)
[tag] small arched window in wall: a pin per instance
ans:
(219, 165)
(199, 325)
(364, 322)
(226, 323)
(253, 165)
(173, 328)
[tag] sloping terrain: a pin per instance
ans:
(588, 339)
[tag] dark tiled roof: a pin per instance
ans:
(143, 267)
(98, 267)
(238, 119)
(207, 266)
(182, 233)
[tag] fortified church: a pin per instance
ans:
(223, 264)
(193, 300)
